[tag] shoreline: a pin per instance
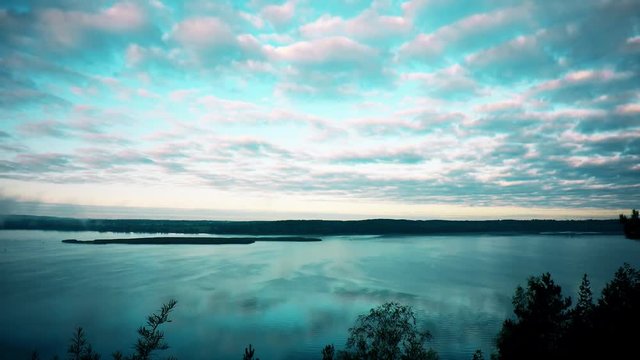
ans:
(312, 227)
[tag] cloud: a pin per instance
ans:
(522, 57)
(368, 25)
(628, 109)
(400, 156)
(509, 105)
(67, 28)
(76, 33)
(19, 93)
(333, 66)
(611, 121)
(467, 34)
(570, 33)
(451, 82)
(41, 163)
(336, 50)
(590, 33)
(585, 85)
(96, 158)
(203, 32)
(279, 15)
(209, 40)
(79, 123)
(419, 102)
(47, 128)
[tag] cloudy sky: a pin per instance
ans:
(320, 109)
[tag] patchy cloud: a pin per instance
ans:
(368, 25)
(279, 15)
(282, 106)
(467, 34)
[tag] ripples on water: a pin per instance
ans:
(287, 299)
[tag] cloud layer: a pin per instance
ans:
(283, 105)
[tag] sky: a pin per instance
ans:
(320, 109)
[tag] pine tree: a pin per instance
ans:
(79, 348)
(584, 306)
(542, 314)
(328, 352)
(249, 353)
(151, 338)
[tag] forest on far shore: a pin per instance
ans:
(312, 227)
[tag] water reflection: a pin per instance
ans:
(287, 299)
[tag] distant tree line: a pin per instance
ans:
(309, 227)
(545, 326)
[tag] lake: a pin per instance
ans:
(287, 299)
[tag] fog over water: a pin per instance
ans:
(287, 299)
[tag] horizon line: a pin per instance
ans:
(307, 219)
(450, 212)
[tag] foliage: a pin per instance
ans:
(388, 332)
(301, 227)
(79, 348)
(621, 293)
(545, 327)
(478, 355)
(580, 327)
(584, 305)
(617, 315)
(541, 316)
(328, 352)
(150, 338)
(631, 224)
(248, 353)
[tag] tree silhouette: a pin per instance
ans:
(150, 338)
(617, 314)
(580, 330)
(541, 317)
(388, 332)
(248, 353)
(584, 305)
(328, 352)
(478, 355)
(79, 348)
(545, 329)
(631, 225)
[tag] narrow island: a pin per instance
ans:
(180, 240)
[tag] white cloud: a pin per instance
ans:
(279, 15)
(68, 28)
(628, 109)
(202, 32)
(581, 77)
(429, 46)
(321, 51)
(451, 82)
(367, 25)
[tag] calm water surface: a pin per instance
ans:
(287, 299)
